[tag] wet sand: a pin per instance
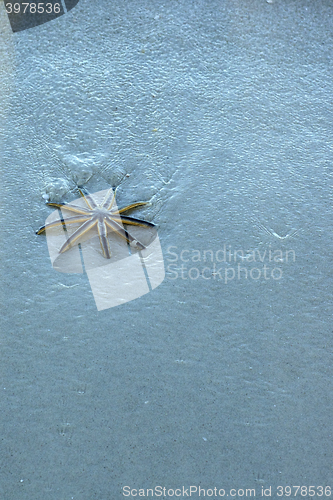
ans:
(219, 115)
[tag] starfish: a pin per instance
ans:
(105, 216)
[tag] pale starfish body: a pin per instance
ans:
(105, 217)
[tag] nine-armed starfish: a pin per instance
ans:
(105, 216)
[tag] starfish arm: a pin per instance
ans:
(131, 221)
(132, 206)
(121, 231)
(63, 222)
(57, 205)
(77, 234)
(70, 208)
(88, 199)
(109, 199)
(103, 238)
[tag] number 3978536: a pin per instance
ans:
(32, 8)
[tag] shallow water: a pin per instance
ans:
(219, 114)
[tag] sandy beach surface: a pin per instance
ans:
(219, 114)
